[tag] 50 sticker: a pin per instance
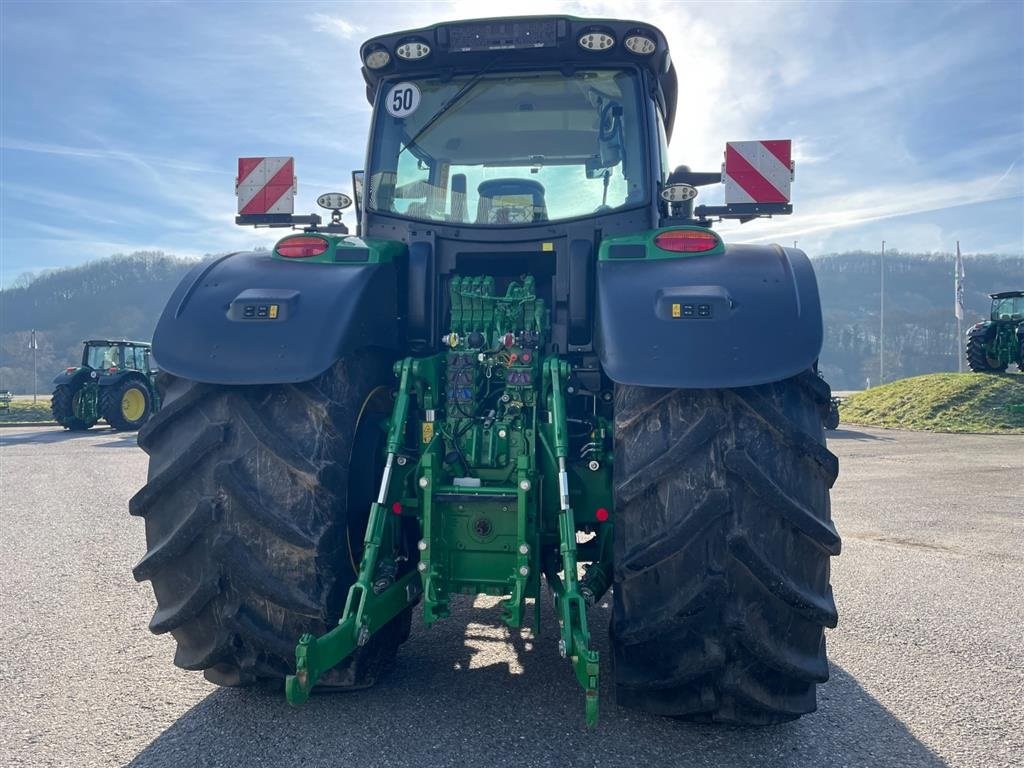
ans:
(403, 100)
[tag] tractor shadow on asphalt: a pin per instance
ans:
(470, 692)
(50, 435)
(846, 433)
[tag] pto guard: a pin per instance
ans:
(748, 316)
(218, 326)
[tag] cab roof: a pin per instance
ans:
(1006, 295)
(117, 342)
(522, 42)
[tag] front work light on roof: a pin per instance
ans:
(411, 50)
(596, 41)
(640, 45)
(377, 58)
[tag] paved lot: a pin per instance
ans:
(926, 660)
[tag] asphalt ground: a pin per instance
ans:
(926, 671)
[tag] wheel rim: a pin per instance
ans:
(133, 404)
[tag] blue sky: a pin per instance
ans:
(121, 122)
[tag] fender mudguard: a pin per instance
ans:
(74, 378)
(111, 379)
(749, 315)
(248, 318)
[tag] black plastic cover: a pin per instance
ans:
(749, 316)
(220, 326)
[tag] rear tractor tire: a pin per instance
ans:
(723, 537)
(977, 352)
(253, 528)
(126, 406)
(62, 406)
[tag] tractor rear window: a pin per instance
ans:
(1008, 309)
(103, 357)
(506, 149)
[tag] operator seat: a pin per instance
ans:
(504, 212)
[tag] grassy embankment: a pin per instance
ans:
(24, 410)
(943, 402)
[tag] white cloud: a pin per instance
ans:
(335, 26)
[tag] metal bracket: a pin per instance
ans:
(570, 606)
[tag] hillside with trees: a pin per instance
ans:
(119, 297)
(122, 296)
(920, 325)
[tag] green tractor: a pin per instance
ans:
(992, 345)
(533, 363)
(115, 382)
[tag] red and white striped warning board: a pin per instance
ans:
(265, 185)
(758, 171)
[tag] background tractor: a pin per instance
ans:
(115, 382)
(533, 354)
(996, 343)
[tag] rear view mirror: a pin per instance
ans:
(595, 168)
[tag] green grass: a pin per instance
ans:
(943, 402)
(23, 409)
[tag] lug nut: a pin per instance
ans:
(524, 549)
(421, 545)
(524, 570)
(561, 647)
(401, 461)
(421, 567)
(524, 485)
(594, 465)
(424, 482)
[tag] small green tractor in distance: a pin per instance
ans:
(994, 344)
(115, 382)
(534, 355)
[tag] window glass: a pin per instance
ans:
(510, 148)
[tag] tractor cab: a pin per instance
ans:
(109, 357)
(1007, 306)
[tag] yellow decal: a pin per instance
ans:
(428, 431)
(677, 310)
(273, 312)
(547, 246)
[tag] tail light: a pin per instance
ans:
(301, 247)
(686, 241)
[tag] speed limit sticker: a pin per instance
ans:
(403, 100)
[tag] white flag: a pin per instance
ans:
(958, 284)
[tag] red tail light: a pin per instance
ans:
(601, 515)
(686, 241)
(301, 247)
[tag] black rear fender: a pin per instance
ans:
(75, 378)
(113, 379)
(747, 315)
(250, 318)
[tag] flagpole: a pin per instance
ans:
(881, 321)
(958, 270)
